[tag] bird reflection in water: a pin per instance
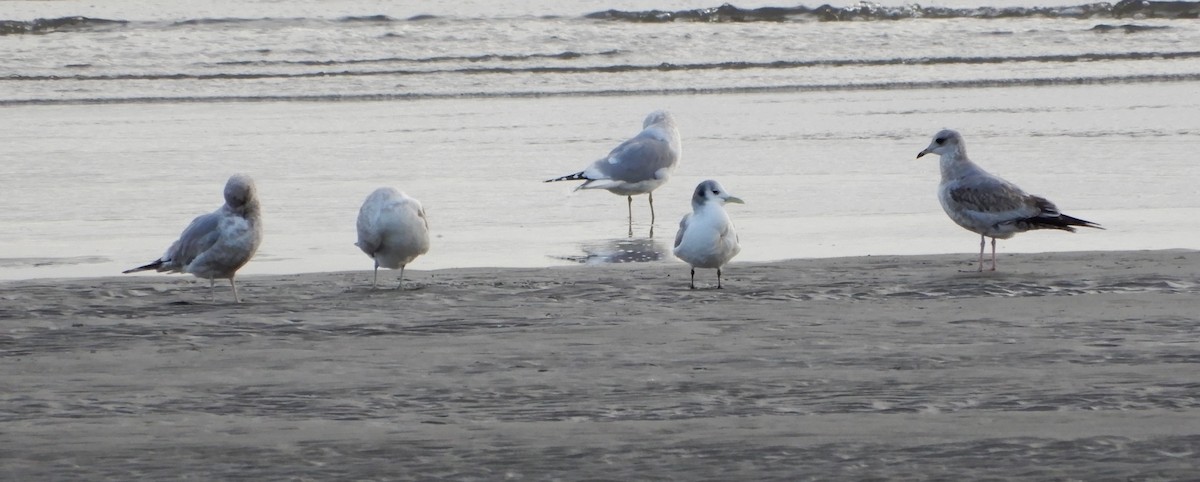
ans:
(624, 250)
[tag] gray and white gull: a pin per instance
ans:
(986, 204)
(637, 166)
(706, 237)
(217, 244)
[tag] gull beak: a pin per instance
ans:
(922, 153)
(734, 199)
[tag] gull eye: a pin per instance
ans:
(716, 191)
(940, 140)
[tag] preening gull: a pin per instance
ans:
(637, 166)
(986, 204)
(392, 230)
(706, 237)
(217, 244)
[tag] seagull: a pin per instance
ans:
(706, 237)
(217, 244)
(637, 166)
(392, 230)
(986, 204)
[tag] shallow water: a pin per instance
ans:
(824, 174)
(110, 152)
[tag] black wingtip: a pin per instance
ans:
(155, 265)
(1062, 221)
(1073, 221)
(570, 177)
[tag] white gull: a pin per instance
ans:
(392, 230)
(706, 237)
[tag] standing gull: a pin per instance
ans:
(987, 205)
(706, 237)
(637, 166)
(217, 244)
(392, 230)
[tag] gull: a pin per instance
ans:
(392, 230)
(986, 204)
(706, 238)
(217, 244)
(638, 166)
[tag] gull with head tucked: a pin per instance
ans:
(706, 238)
(988, 205)
(392, 230)
(637, 166)
(217, 244)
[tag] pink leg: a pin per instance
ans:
(236, 299)
(982, 243)
(993, 254)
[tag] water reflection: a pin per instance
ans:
(623, 250)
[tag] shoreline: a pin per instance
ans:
(1060, 365)
(958, 260)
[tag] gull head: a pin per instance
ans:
(239, 191)
(712, 191)
(658, 117)
(944, 142)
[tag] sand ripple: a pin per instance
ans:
(1070, 366)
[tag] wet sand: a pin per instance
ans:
(1059, 366)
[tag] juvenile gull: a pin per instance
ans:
(986, 204)
(392, 230)
(217, 244)
(637, 166)
(706, 237)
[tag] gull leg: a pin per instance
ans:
(375, 283)
(651, 214)
(993, 254)
(236, 299)
(693, 284)
(630, 198)
(719, 278)
(651, 208)
(401, 287)
(212, 290)
(982, 243)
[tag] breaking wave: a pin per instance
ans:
(867, 11)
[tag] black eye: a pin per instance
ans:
(940, 140)
(716, 191)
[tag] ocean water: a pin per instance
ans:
(120, 121)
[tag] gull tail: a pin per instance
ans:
(1062, 221)
(152, 266)
(570, 177)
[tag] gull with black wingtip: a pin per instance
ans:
(637, 166)
(988, 205)
(217, 244)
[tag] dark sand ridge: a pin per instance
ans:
(1061, 365)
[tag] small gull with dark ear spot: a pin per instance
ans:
(706, 237)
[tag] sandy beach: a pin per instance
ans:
(1065, 366)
